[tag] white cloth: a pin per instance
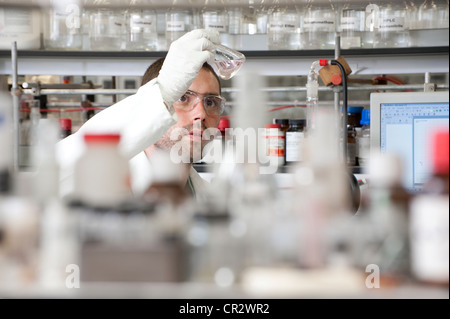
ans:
(141, 119)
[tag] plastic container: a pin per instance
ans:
(102, 173)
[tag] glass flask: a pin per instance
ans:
(178, 22)
(392, 30)
(62, 27)
(141, 27)
(351, 24)
(227, 61)
(106, 26)
(319, 26)
(283, 28)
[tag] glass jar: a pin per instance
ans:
(178, 22)
(351, 24)
(62, 26)
(392, 28)
(318, 26)
(106, 26)
(283, 27)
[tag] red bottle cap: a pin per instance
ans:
(224, 123)
(91, 138)
(440, 153)
(273, 126)
(65, 124)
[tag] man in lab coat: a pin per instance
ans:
(169, 110)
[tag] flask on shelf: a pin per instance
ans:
(283, 29)
(392, 28)
(319, 26)
(352, 16)
(141, 26)
(101, 177)
(106, 25)
(178, 22)
(22, 25)
(62, 26)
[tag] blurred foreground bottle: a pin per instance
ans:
(429, 223)
(102, 173)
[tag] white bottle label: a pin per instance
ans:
(16, 21)
(139, 24)
(315, 24)
(350, 23)
(175, 26)
(388, 24)
(281, 26)
(294, 146)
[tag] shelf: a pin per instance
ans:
(270, 63)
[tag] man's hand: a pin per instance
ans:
(184, 60)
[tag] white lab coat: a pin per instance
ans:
(141, 119)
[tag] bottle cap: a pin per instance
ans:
(281, 121)
(65, 124)
(355, 109)
(440, 152)
(336, 79)
(298, 122)
(365, 117)
(272, 126)
(91, 138)
(224, 123)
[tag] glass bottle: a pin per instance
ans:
(351, 24)
(62, 26)
(215, 16)
(363, 139)
(428, 15)
(354, 118)
(370, 25)
(392, 29)
(20, 24)
(283, 27)
(106, 25)
(141, 26)
(178, 22)
(319, 26)
(295, 137)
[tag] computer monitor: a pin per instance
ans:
(402, 123)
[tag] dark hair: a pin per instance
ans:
(153, 71)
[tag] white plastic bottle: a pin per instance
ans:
(102, 173)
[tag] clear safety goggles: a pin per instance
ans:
(213, 104)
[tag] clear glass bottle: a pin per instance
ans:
(351, 24)
(106, 25)
(141, 26)
(370, 25)
(178, 22)
(21, 24)
(318, 26)
(62, 26)
(428, 15)
(392, 28)
(363, 139)
(283, 27)
(214, 15)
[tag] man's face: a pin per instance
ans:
(191, 124)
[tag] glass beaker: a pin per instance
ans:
(227, 61)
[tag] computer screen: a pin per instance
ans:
(403, 123)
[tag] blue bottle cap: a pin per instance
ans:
(365, 117)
